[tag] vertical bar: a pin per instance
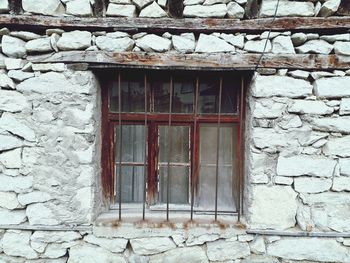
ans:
(217, 153)
(241, 148)
(120, 146)
(169, 149)
(194, 146)
(145, 154)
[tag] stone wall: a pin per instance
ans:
(237, 9)
(298, 156)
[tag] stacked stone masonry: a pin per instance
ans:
(192, 8)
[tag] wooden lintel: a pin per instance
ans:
(97, 59)
(330, 24)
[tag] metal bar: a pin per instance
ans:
(217, 153)
(169, 148)
(241, 149)
(194, 146)
(120, 146)
(145, 156)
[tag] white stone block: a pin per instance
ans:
(74, 40)
(258, 46)
(152, 245)
(344, 106)
(286, 8)
(39, 45)
(18, 184)
(14, 63)
(25, 35)
(299, 74)
(305, 165)
(283, 180)
(55, 251)
(258, 246)
(115, 245)
(9, 200)
(212, 44)
(272, 207)
(315, 46)
(13, 47)
(288, 122)
(12, 217)
(6, 82)
(79, 8)
(107, 43)
(336, 87)
(34, 197)
(235, 40)
(312, 185)
(282, 45)
(183, 44)
(282, 86)
(309, 107)
(217, 10)
(341, 183)
(329, 8)
(153, 42)
(342, 48)
(10, 123)
(337, 37)
(344, 167)
(44, 7)
(186, 254)
(329, 124)
(194, 240)
(17, 244)
(40, 214)
(153, 10)
(304, 218)
(54, 236)
(4, 6)
(299, 38)
(11, 159)
(267, 108)
(234, 10)
(19, 75)
(222, 250)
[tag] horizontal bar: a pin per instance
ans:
(217, 62)
(173, 164)
(130, 163)
(297, 233)
(181, 25)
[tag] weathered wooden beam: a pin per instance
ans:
(196, 61)
(312, 24)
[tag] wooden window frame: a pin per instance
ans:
(110, 120)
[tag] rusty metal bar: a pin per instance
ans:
(217, 153)
(241, 149)
(194, 145)
(145, 155)
(169, 148)
(120, 145)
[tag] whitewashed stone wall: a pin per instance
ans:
(298, 156)
(192, 8)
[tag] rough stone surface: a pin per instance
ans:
(305, 165)
(286, 8)
(217, 10)
(186, 254)
(44, 7)
(312, 185)
(342, 48)
(153, 43)
(329, 124)
(329, 8)
(54, 236)
(153, 10)
(34, 197)
(345, 106)
(141, 3)
(338, 147)
(114, 44)
(344, 166)
(183, 44)
(8, 122)
(12, 101)
(6, 82)
(227, 250)
(4, 6)
(212, 44)
(13, 47)
(17, 244)
(8, 200)
(272, 207)
(339, 87)
(41, 214)
(149, 246)
(341, 183)
(315, 46)
(116, 245)
(74, 40)
(121, 10)
(268, 86)
(39, 45)
(258, 46)
(11, 159)
(309, 107)
(234, 10)
(12, 217)
(18, 184)
(282, 45)
(79, 8)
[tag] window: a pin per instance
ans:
(171, 141)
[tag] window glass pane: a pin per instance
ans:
(179, 184)
(180, 144)
(132, 183)
(184, 87)
(133, 143)
(160, 85)
(207, 167)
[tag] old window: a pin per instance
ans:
(172, 141)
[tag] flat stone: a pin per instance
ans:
(329, 8)
(194, 240)
(153, 10)
(18, 184)
(344, 167)
(193, 2)
(12, 217)
(89, 253)
(258, 46)
(11, 159)
(74, 40)
(55, 251)
(79, 8)
(34, 197)
(338, 147)
(212, 44)
(13, 47)
(24, 35)
(40, 214)
(309, 107)
(54, 236)
(235, 40)
(19, 75)
(312, 185)
(334, 38)
(342, 48)
(312, 36)
(6, 82)
(114, 44)
(305, 165)
(321, 74)
(115, 245)
(283, 86)
(289, 121)
(142, 3)
(45, 67)
(44, 7)
(4, 6)
(345, 106)
(316, 47)
(8, 200)
(9, 142)
(186, 254)
(267, 108)
(299, 74)
(217, 10)
(222, 250)
(9, 123)
(153, 42)
(17, 244)
(282, 45)
(313, 249)
(234, 10)
(152, 245)
(329, 124)
(271, 35)
(258, 246)
(117, 34)
(183, 44)
(286, 8)
(283, 180)
(298, 39)
(212, 2)
(339, 87)
(341, 183)
(14, 63)
(259, 259)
